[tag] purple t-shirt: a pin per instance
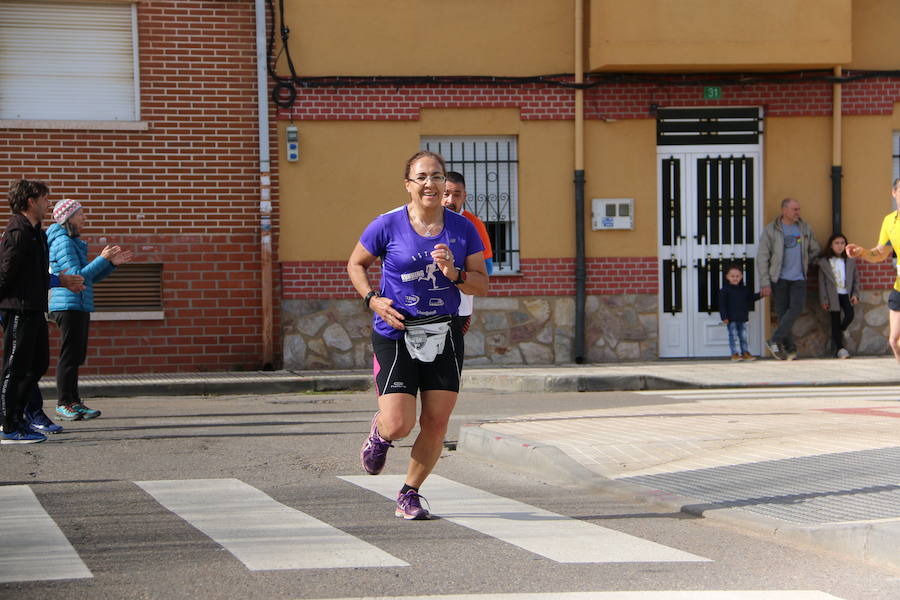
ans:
(409, 276)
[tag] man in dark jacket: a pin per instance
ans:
(24, 279)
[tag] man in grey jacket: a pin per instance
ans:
(785, 250)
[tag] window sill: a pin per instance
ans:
(139, 315)
(65, 124)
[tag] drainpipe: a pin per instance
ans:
(265, 190)
(836, 157)
(580, 270)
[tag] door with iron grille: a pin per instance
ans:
(709, 219)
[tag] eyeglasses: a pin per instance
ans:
(422, 179)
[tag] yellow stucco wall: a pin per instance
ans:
(876, 44)
(348, 173)
(399, 37)
(867, 176)
(620, 162)
(715, 34)
(797, 164)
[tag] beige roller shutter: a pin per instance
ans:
(61, 61)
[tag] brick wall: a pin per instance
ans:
(608, 101)
(538, 277)
(185, 192)
(878, 276)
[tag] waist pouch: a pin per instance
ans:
(425, 338)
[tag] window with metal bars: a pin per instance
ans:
(133, 287)
(491, 168)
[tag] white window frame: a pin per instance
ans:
(490, 166)
(86, 38)
(895, 158)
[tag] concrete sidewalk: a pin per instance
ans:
(785, 450)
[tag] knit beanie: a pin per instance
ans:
(64, 209)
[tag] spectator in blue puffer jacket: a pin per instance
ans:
(72, 311)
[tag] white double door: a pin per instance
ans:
(709, 218)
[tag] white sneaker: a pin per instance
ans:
(776, 352)
(842, 353)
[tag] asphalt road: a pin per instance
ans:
(287, 455)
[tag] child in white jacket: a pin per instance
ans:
(838, 289)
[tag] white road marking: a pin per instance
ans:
(260, 532)
(649, 595)
(548, 534)
(32, 546)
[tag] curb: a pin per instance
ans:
(569, 383)
(162, 386)
(546, 379)
(874, 541)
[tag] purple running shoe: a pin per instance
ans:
(409, 507)
(374, 451)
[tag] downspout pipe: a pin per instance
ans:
(580, 269)
(265, 188)
(836, 156)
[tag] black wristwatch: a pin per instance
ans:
(369, 296)
(461, 278)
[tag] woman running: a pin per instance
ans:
(429, 254)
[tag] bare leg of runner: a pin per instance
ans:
(894, 336)
(436, 408)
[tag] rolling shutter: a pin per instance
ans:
(68, 61)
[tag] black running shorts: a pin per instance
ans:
(894, 300)
(396, 372)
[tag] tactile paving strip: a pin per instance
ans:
(829, 488)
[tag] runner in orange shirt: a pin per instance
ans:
(455, 199)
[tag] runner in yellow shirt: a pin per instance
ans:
(888, 240)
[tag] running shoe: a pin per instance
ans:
(85, 412)
(21, 437)
(67, 412)
(45, 428)
(409, 507)
(374, 451)
(791, 355)
(41, 423)
(842, 353)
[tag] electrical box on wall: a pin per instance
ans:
(292, 143)
(612, 213)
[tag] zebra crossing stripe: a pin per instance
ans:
(32, 546)
(649, 595)
(260, 532)
(542, 532)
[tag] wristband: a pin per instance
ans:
(369, 296)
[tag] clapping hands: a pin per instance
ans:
(116, 255)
